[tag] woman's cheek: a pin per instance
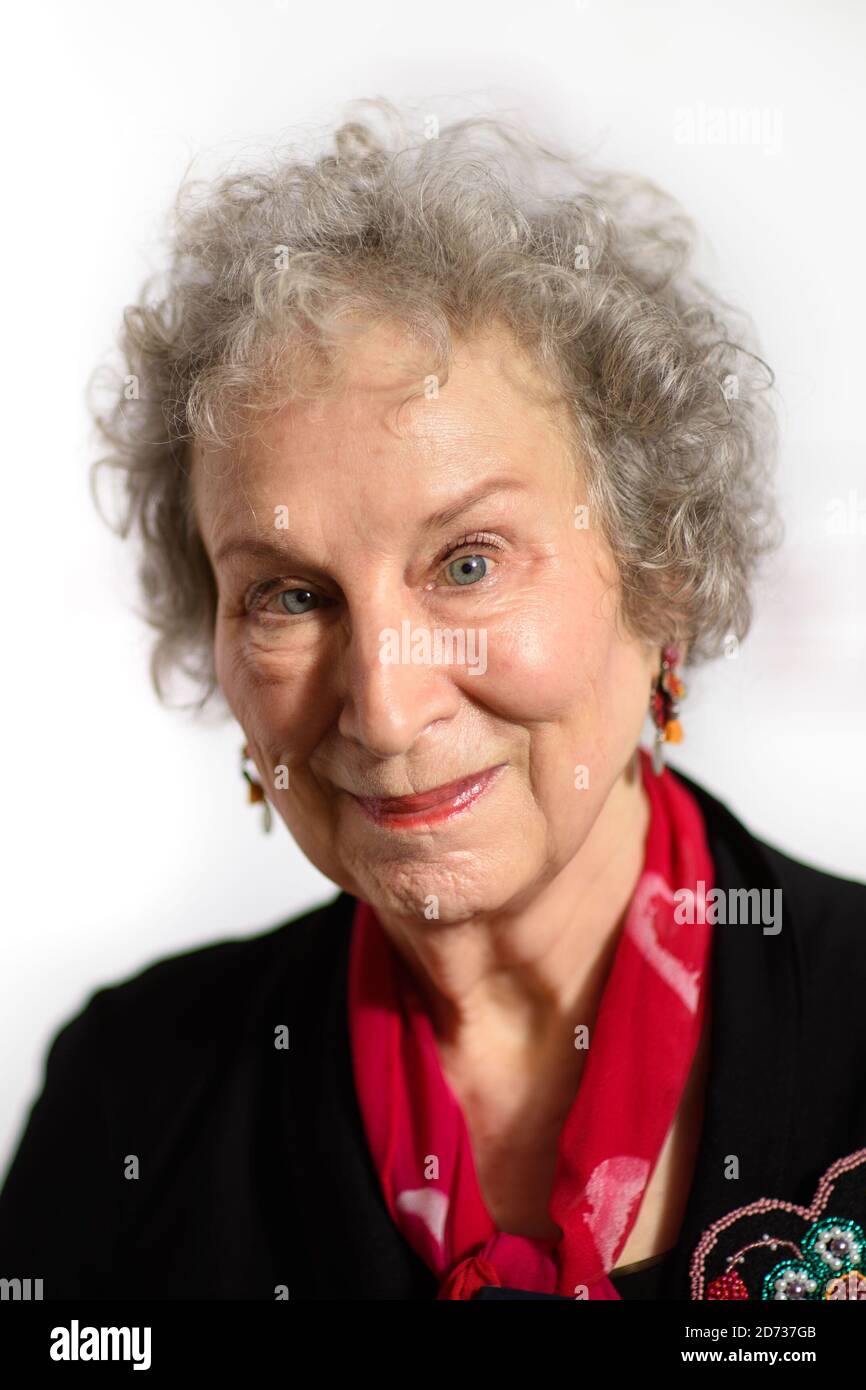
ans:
(259, 697)
(228, 673)
(540, 660)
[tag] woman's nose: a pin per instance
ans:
(393, 685)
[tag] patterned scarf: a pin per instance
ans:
(639, 1059)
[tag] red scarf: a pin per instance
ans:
(639, 1059)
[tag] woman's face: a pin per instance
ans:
(407, 602)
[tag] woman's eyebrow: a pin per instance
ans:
(272, 551)
(502, 483)
(269, 551)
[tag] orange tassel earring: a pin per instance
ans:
(256, 791)
(666, 690)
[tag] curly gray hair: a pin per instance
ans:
(270, 267)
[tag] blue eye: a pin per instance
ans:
(466, 569)
(299, 595)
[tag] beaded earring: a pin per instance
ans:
(256, 791)
(665, 691)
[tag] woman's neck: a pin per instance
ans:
(514, 983)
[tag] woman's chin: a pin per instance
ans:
(435, 895)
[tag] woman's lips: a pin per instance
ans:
(425, 808)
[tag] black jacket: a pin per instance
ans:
(252, 1161)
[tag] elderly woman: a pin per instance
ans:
(445, 466)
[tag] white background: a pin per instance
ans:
(127, 835)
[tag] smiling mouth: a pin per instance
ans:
(439, 803)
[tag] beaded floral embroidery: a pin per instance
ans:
(777, 1250)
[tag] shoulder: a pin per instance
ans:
(819, 894)
(144, 1050)
(212, 992)
(815, 893)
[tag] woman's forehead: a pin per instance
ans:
(479, 423)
